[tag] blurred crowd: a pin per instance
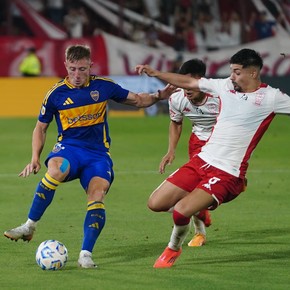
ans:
(208, 24)
(195, 24)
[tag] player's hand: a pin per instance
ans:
(145, 68)
(167, 91)
(166, 160)
(32, 167)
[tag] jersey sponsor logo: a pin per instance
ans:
(211, 181)
(83, 116)
(68, 101)
(95, 95)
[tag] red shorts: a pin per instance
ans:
(194, 145)
(223, 186)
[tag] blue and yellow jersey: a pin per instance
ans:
(81, 114)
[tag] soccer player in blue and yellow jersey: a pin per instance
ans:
(78, 104)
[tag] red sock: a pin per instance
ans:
(180, 219)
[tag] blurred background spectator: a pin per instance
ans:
(261, 26)
(55, 11)
(75, 21)
(138, 33)
(152, 9)
(30, 66)
(151, 35)
(37, 5)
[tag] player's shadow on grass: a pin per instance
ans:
(245, 246)
(235, 247)
(237, 255)
(265, 255)
(254, 236)
(129, 252)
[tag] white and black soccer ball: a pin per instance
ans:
(51, 255)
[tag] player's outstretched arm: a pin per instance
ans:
(178, 80)
(143, 100)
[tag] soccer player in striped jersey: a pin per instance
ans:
(79, 105)
(217, 174)
(202, 111)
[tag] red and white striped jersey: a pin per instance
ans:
(243, 119)
(203, 117)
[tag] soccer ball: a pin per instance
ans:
(51, 255)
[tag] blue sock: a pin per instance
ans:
(93, 225)
(43, 197)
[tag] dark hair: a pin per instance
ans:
(247, 57)
(77, 52)
(31, 49)
(194, 67)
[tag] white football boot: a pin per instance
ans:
(85, 260)
(24, 232)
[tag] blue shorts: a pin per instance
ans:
(84, 163)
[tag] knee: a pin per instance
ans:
(58, 168)
(154, 205)
(97, 195)
(151, 205)
(97, 189)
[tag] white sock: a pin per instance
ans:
(178, 235)
(199, 227)
(30, 223)
(85, 253)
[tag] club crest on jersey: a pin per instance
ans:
(57, 147)
(212, 107)
(259, 98)
(95, 95)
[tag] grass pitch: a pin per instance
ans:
(248, 242)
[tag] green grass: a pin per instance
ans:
(248, 243)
